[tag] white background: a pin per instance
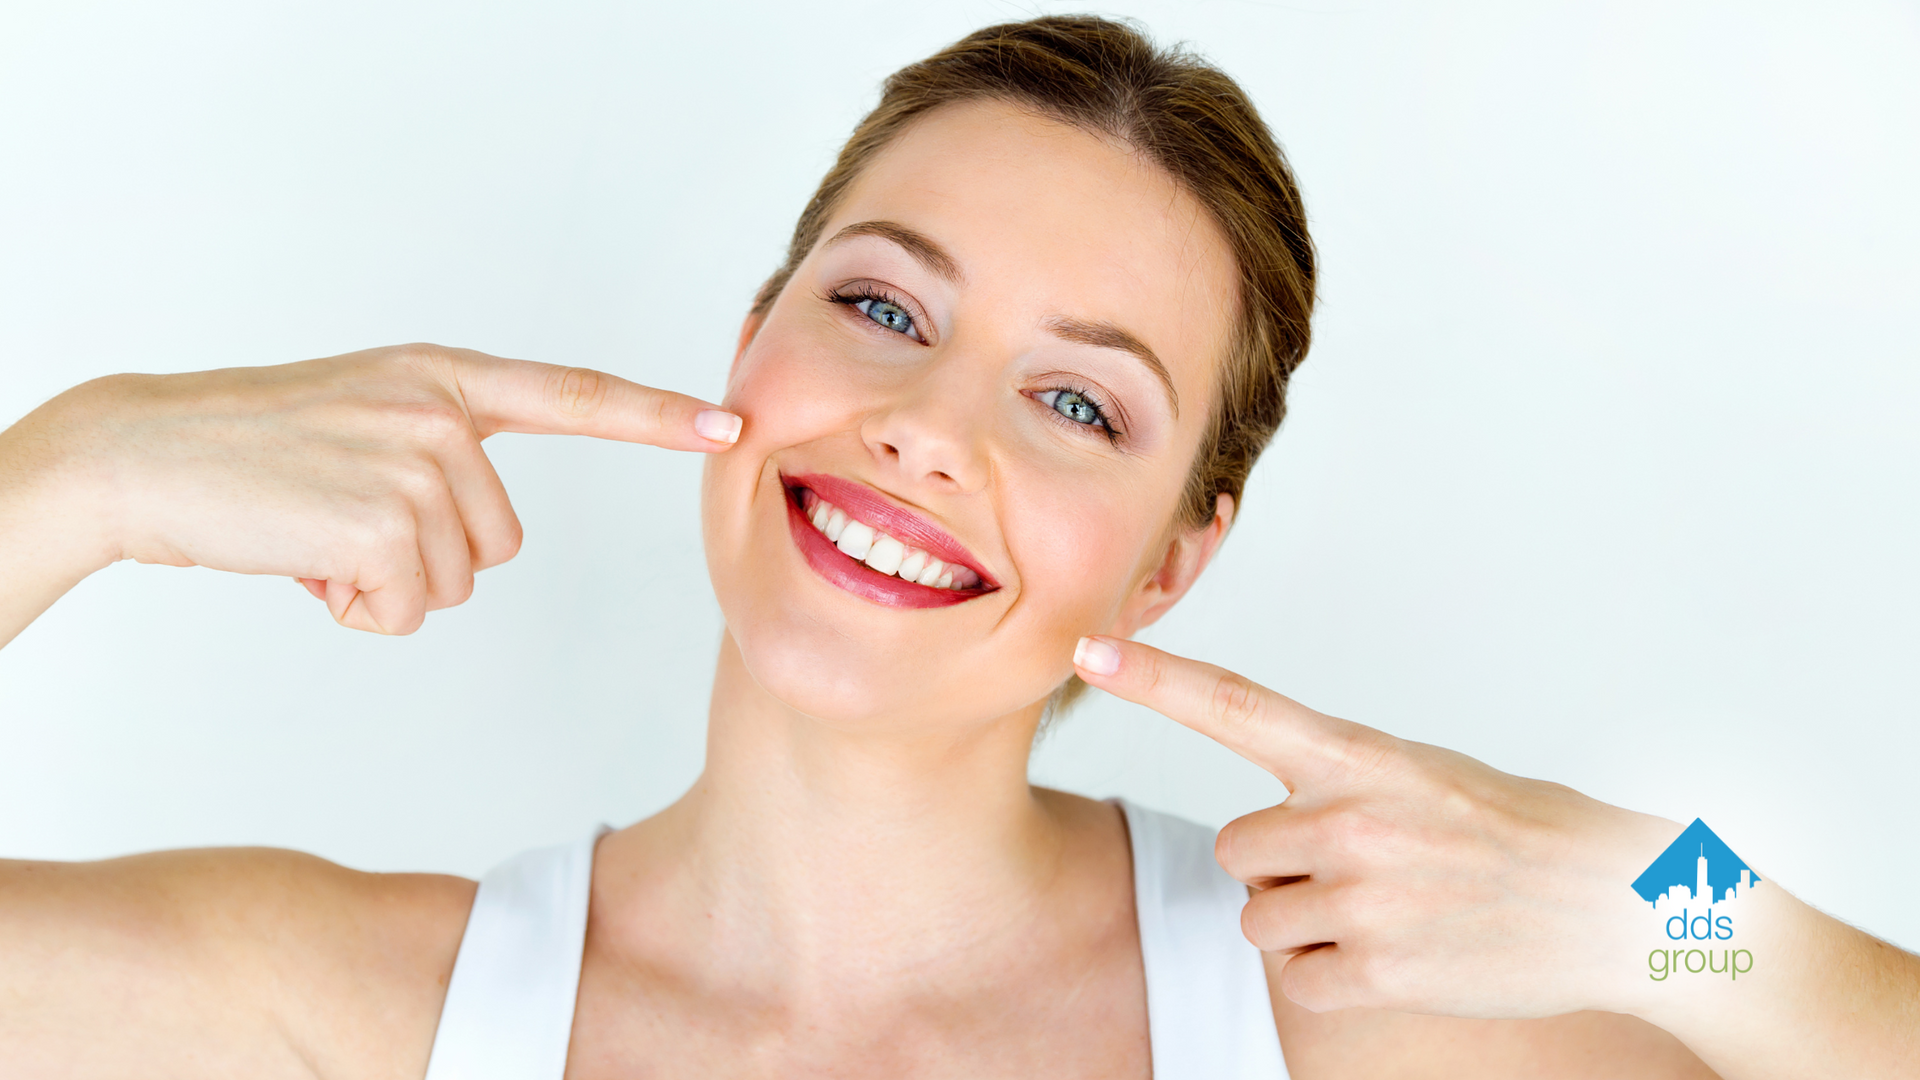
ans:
(1603, 468)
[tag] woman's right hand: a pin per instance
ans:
(362, 475)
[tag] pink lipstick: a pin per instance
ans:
(865, 507)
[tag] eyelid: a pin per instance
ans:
(1108, 404)
(848, 293)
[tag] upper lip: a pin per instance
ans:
(863, 503)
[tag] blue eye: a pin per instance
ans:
(887, 314)
(1079, 408)
(1076, 407)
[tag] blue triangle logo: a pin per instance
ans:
(1681, 865)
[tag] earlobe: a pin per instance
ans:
(1187, 554)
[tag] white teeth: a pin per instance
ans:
(856, 539)
(884, 553)
(910, 566)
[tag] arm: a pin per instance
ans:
(1378, 1044)
(253, 963)
(361, 474)
(50, 536)
(1409, 878)
(1835, 1001)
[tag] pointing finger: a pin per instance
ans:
(1280, 735)
(544, 399)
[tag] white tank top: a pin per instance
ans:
(509, 1009)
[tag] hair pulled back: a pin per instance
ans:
(1184, 115)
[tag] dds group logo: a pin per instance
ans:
(1695, 887)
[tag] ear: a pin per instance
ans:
(1186, 555)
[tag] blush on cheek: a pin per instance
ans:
(793, 397)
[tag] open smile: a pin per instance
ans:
(856, 539)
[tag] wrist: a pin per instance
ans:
(57, 510)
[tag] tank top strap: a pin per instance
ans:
(1209, 1014)
(509, 1008)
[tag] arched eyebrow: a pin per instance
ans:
(1105, 335)
(922, 247)
(1101, 335)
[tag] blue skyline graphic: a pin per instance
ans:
(1699, 863)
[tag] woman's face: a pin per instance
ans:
(1001, 355)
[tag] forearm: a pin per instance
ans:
(51, 537)
(1822, 999)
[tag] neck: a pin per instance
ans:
(810, 851)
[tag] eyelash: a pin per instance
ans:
(853, 294)
(1100, 410)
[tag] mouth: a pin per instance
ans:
(892, 556)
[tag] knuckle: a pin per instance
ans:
(1367, 752)
(1151, 673)
(416, 479)
(577, 392)
(1237, 701)
(414, 355)
(1262, 924)
(497, 542)
(1304, 982)
(1376, 975)
(1227, 849)
(658, 408)
(1355, 831)
(438, 423)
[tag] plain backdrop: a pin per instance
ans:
(1603, 467)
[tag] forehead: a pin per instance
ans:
(1046, 219)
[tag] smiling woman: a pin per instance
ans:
(992, 416)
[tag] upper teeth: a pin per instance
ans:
(881, 552)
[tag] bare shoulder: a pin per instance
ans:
(1355, 1044)
(242, 961)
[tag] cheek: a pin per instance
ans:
(789, 392)
(1080, 557)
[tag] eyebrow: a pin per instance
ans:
(1101, 335)
(917, 244)
(1105, 335)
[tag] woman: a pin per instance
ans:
(991, 418)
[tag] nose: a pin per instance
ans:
(933, 434)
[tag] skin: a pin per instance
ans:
(861, 883)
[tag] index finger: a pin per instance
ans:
(1294, 743)
(547, 399)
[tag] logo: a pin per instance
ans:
(1695, 887)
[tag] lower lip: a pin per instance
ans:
(862, 580)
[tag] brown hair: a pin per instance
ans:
(1184, 115)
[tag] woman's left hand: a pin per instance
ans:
(1403, 876)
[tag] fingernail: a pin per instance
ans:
(1096, 656)
(717, 425)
